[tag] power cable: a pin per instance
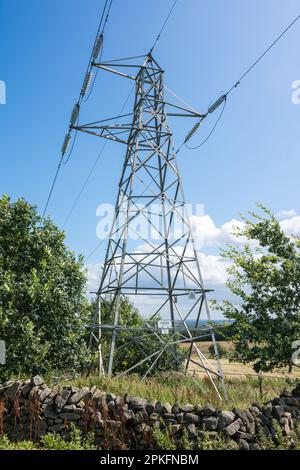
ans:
(84, 185)
(97, 35)
(95, 77)
(263, 54)
(100, 58)
(52, 186)
(93, 167)
(95, 249)
(223, 98)
(68, 136)
(163, 26)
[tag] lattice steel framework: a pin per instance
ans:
(163, 267)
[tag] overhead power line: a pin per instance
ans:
(75, 113)
(52, 187)
(98, 32)
(93, 167)
(103, 147)
(263, 54)
(94, 249)
(163, 26)
(223, 98)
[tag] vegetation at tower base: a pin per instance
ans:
(265, 277)
(45, 315)
(136, 343)
(43, 305)
(35, 416)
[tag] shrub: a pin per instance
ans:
(221, 350)
(43, 305)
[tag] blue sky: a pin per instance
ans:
(207, 45)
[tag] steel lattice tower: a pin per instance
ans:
(165, 268)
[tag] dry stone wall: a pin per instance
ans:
(31, 409)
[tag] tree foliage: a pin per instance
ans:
(43, 305)
(265, 277)
(222, 351)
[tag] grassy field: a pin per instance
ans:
(242, 392)
(235, 369)
(243, 385)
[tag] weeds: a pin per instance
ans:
(163, 439)
(117, 433)
(53, 441)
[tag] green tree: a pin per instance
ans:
(43, 305)
(222, 351)
(265, 277)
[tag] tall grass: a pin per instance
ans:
(242, 392)
(174, 387)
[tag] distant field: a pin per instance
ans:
(235, 369)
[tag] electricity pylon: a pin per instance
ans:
(162, 266)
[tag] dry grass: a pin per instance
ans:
(235, 369)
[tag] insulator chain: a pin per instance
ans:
(192, 131)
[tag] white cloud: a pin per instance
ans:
(286, 214)
(93, 274)
(291, 226)
(228, 232)
(213, 267)
(206, 233)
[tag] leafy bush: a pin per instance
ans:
(163, 439)
(43, 305)
(54, 441)
(265, 277)
(221, 350)
(6, 444)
